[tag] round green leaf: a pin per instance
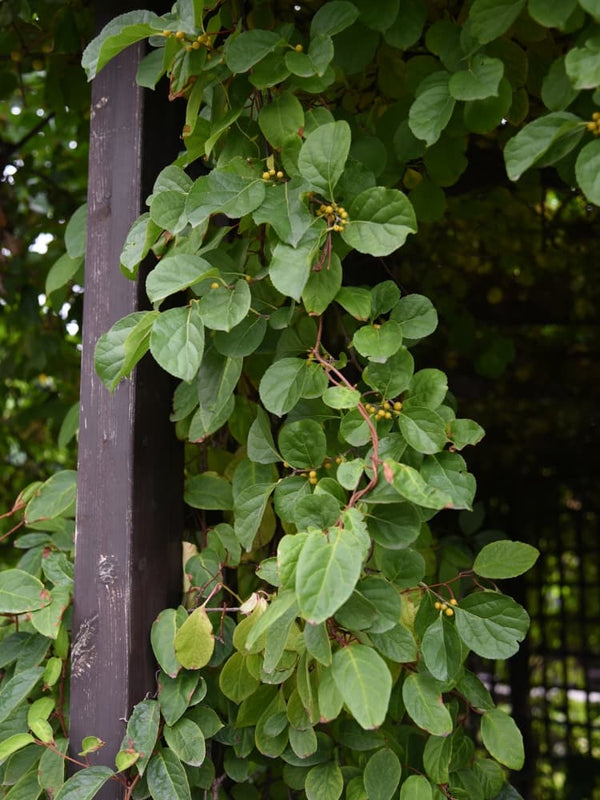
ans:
(442, 650)
(281, 118)
(416, 787)
(378, 342)
(303, 444)
(505, 559)
(194, 641)
(479, 81)
(85, 784)
(166, 776)
(221, 309)
(431, 111)
(382, 775)
(21, 592)
(177, 341)
(187, 741)
(324, 782)
(491, 624)
(379, 221)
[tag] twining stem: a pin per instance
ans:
(337, 378)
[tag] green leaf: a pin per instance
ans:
(54, 498)
(416, 787)
(186, 740)
(464, 432)
(491, 624)
(209, 491)
(442, 650)
(393, 377)
(142, 235)
(397, 644)
(166, 776)
(168, 211)
(592, 6)
(505, 559)
(282, 385)
(225, 193)
(47, 620)
(379, 221)
(281, 118)
(436, 758)
(175, 273)
(303, 444)
(317, 642)
(261, 447)
(502, 738)
(480, 80)
(378, 342)
(326, 574)
(322, 286)
(162, 638)
(408, 26)
(285, 209)
(489, 19)
(365, 683)
(581, 64)
(290, 267)
(194, 641)
(61, 272)
(417, 316)
(177, 341)
(235, 680)
(85, 784)
(175, 694)
(323, 156)
(349, 473)
(542, 142)
(411, 485)
(447, 472)
(341, 397)
(142, 732)
(324, 782)
(474, 691)
(587, 170)
(333, 17)
(244, 51)
(249, 509)
(120, 32)
(382, 774)
(243, 340)
(423, 429)
(551, 13)
(394, 526)
(378, 17)
(432, 109)
(425, 706)
(14, 743)
(222, 309)
(51, 768)
(356, 301)
(21, 592)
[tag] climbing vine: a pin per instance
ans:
(321, 648)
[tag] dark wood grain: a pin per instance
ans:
(129, 505)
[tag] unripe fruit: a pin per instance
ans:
(280, 174)
(449, 612)
(312, 474)
(180, 35)
(454, 602)
(298, 48)
(214, 285)
(266, 176)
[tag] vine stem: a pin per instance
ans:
(341, 380)
(130, 787)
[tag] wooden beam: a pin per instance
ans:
(129, 505)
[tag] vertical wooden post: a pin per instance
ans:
(129, 505)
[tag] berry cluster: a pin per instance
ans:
(271, 173)
(312, 475)
(191, 42)
(385, 410)
(336, 216)
(447, 609)
(594, 124)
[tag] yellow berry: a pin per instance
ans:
(328, 209)
(304, 474)
(388, 414)
(444, 606)
(596, 115)
(180, 35)
(214, 285)
(272, 172)
(248, 278)
(437, 605)
(266, 176)
(167, 33)
(397, 406)
(328, 465)
(298, 48)
(339, 460)
(387, 405)
(196, 45)
(454, 602)
(313, 481)
(376, 325)
(343, 213)
(286, 465)
(448, 612)
(188, 48)
(280, 174)
(337, 228)
(591, 126)
(312, 473)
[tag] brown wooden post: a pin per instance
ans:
(129, 505)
